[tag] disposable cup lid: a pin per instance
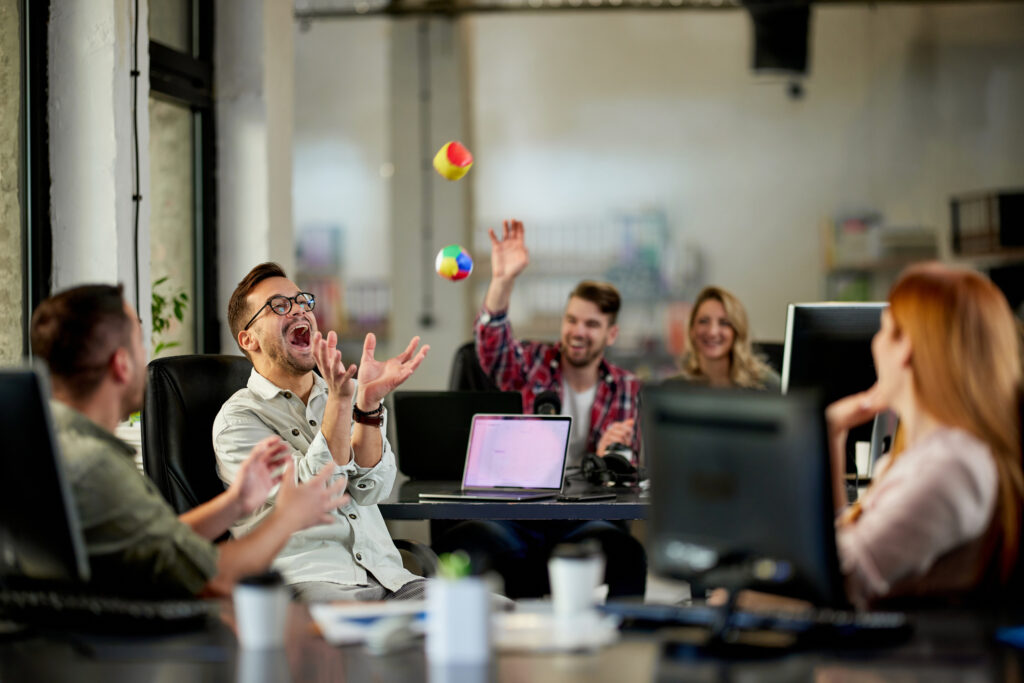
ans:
(269, 579)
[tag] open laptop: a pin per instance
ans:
(432, 428)
(513, 458)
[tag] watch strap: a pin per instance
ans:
(373, 418)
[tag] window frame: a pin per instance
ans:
(187, 79)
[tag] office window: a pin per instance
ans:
(11, 316)
(170, 24)
(172, 224)
(183, 239)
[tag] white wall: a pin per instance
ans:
(253, 72)
(359, 164)
(342, 150)
(91, 153)
(579, 114)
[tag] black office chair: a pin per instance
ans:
(466, 374)
(772, 353)
(183, 396)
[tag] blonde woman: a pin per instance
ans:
(943, 516)
(720, 354)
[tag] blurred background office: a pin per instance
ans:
(172, 144)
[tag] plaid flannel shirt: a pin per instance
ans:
(532, 368)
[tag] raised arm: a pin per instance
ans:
(509, 257)
(340, 389)
(840, 417)
(377, 379)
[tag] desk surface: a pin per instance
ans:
(404, 503)
(944, 647)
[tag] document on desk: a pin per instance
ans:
(348, 623)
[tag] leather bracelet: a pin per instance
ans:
(373, 418)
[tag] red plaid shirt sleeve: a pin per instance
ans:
(507, 360)
(617, 398)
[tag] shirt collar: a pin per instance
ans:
(67, 417)
(266, 390)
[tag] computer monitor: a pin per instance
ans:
(828, 348)
(741, 492)
(40, 537)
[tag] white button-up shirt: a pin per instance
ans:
(358, 541)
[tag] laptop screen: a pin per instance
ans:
(517, 451)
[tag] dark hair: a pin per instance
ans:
(77, 331)
(601, 294)
(238, 304)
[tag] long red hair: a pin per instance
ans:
(966, 366)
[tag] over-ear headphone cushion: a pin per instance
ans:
(618, 465)
(612, 468)
(594, 469)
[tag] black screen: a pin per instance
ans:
(828, 348)
(738, 477)
(39, 534)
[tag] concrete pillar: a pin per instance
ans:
(428, 108)
(253, 65)
(92, 155)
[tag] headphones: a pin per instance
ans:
(614, 468)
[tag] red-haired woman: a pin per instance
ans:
(942, 517)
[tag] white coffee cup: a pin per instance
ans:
(261, 610)
(575, 571)
(458, 621)
(862, 458)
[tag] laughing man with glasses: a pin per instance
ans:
(327, 421)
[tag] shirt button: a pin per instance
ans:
(295, 432)
(312, 423)
(351, 516)
(359, 556)
(287, 394)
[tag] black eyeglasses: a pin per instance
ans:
(282, 305)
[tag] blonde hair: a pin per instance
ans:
(966, 368)
(746, 369)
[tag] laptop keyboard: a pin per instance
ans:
(53, 609)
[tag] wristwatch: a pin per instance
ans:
(486, 317)
(374, 418)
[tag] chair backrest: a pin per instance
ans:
(183, 396)
(467, 375)
(772, 353)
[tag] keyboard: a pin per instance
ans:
(821, 626)
(95, 613)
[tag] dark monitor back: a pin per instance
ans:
(432, 428)
(40, 537)
(828, 348)
(737, 477)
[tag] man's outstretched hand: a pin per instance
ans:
(328, 359)
(259, 473)
(509, 256)
(378, 378)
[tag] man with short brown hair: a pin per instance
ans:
(92, 342)
(329, 421)
(602, 399)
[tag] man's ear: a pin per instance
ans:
(248, 341)
(613, 334)
(121, 365)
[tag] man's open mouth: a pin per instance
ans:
(299, 335)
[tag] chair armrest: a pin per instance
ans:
(422, 553)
